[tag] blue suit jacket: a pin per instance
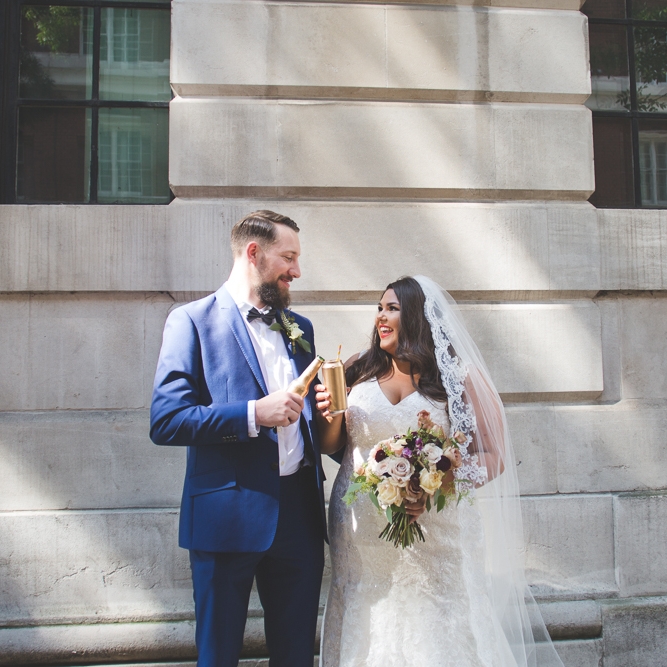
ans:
(206, 374)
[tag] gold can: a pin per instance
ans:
(333, 377)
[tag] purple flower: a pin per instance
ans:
(381, 455)
(444, 464)
(406, 453)
(419, 442)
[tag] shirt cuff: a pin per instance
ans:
(252, 425)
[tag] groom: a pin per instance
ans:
(253, 503)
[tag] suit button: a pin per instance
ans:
(274, 466)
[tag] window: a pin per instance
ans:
(85, 104)
(628, 42)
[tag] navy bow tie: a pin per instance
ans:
(267, 318)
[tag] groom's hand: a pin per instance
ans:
(281, 408)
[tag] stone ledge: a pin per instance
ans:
(519, 249)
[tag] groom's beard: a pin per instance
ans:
(272, 295)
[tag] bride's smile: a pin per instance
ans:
(388, 321)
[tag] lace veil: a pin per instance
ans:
(475, 409)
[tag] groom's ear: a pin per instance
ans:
(252, 251)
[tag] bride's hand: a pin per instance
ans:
(323, 401)
(416, 509)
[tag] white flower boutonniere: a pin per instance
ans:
(287, 324)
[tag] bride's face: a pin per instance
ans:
(388, 321)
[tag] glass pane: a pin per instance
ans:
(651, 68)
(133, 156)
(134, 54)
(53, 163)
(612, 146)
(649, 10)
(604, 9)
(653, 162)
(610, 80)
(56, 53)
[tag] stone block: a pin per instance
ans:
(633, 249)
(93, 566)
(535, 453)
(634, 632)
(643, 341)
(602, 448)
(79, 351)
(114, 248)
(640, 525)
(466, 247)
(532, 349)
(68, 459)
(226, 147)
(569, 545)
(580, 652)
(378, 52)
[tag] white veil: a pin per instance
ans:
(475, 409)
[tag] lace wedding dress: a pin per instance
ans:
(427, 606)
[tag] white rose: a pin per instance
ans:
(389, 494)
(400, 470)
(432, 452)
(384, 466)
(398, 445)
(430, 481)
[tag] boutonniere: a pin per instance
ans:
(287, 324)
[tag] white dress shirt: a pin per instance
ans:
(276, 368)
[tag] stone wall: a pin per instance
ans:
(449, 140)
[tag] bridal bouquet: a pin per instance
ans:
(406, 468)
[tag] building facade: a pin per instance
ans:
(446, 138)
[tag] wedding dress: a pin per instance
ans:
(422, 607)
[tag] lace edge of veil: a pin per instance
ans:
(453, 374)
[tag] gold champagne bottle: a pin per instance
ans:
(300, 385)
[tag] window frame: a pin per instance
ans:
(633, 114)
(10, 102)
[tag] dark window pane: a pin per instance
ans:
(133, 154)
(610, 81)
(604, 9)
(134, 54)
(651, 68)
(653, 162)
(52, 156)
(56, 52)
(649, 10)
(612, 146)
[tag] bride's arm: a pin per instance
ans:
(488, 441)
(333, 436)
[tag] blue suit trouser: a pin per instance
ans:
(288, 575)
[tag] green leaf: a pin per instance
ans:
(389, 514)
(354, 487)
(275, 327)
(374, 500)
(428, 504)
(304, 344)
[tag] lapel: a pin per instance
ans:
(237, 325)
(299, 360)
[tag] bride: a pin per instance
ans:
(459, 599)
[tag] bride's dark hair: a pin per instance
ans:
(415, 346)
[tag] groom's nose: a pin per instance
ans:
(295, 271)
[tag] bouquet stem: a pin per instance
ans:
(401, 532)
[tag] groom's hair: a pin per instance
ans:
(259, 226)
